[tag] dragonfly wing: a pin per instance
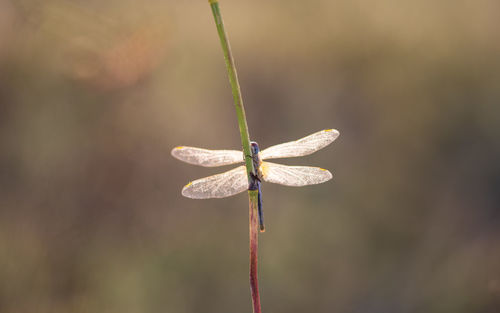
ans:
(207, 158)
(293, 175)
(218, 186)
(303, 146)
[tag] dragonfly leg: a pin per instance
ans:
(254, 182)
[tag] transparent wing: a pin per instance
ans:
(303, 146)
(218, 186)
(207, 158)
(293, 175)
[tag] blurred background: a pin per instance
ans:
(94, 95)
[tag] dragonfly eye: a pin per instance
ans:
(255, 147)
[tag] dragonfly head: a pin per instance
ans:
(255, 148)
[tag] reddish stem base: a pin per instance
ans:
(254, 244)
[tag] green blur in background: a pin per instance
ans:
(95, 94)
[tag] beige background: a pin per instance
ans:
(95, 94)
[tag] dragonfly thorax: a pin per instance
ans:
(255, 155)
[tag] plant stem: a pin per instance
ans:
(254, 247)
(235, 86)
(245, 142)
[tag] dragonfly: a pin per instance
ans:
(236, 180)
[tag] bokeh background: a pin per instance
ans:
(95, 94)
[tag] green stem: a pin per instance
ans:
(245, 142)
(235, 86)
